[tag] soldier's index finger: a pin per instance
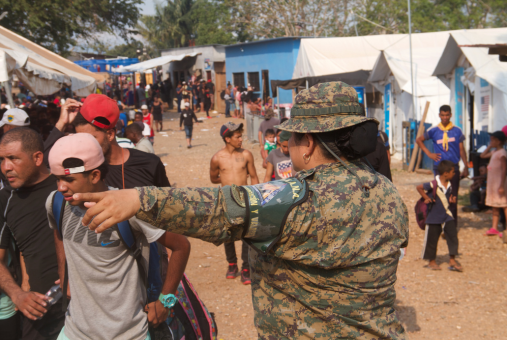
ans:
(89, 196)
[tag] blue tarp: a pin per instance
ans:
(105, 65)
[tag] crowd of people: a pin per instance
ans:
(240, 100)
(108, 259)
(33, 170)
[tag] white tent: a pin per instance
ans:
(471, 71)
(152, 63)
(40, 70)
(393, 67)
(325, 56)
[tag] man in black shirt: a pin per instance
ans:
(187, 118)
(380, 159)
(128, 168)
(195, 95)
(24, 218)
(168, 89)
(211, 87)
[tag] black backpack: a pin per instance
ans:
(222, 94)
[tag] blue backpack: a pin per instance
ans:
(153, 281)
(189, 319)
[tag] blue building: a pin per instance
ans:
(258, 62)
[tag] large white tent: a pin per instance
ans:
(392, 69)
(388, 58)
(476, 79)
(40, 70)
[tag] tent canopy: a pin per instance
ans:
(357, 78)
(323, 56)
(426, 51)
(152, 63)
(41, 70)
(487, 67)
(105, 65)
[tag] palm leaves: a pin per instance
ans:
(171, 26)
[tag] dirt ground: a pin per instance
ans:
(430, 304)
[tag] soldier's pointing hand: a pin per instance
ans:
(106, 209)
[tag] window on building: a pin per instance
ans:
(238, 79)
(253, 80)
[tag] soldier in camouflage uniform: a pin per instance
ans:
(327, 243)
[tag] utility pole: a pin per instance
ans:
(414, 99)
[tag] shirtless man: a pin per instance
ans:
(233, 165)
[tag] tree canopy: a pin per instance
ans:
(57, 24)
(184, 22)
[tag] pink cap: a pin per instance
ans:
(82, 146)
(504, 130)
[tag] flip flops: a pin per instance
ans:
(455, 269)
(432, 268)
(493, 232)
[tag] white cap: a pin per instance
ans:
(183, 83)
(144, 107)
(248, 84)
(147, 87)
(186, 104)
(15, 117)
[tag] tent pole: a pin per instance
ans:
(134, 87)
(411, 64)
(121, 88)
(8, 93)
(278, 101)
(307, 84)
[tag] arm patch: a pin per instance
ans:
(267, 207)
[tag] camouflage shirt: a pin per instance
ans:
(332, 273)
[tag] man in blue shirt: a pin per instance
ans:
(448, 145)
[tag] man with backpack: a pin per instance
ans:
(127, 168)
(103, 277)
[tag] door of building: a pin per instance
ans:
(220, 85)
(265, 85)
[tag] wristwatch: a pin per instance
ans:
(168, 300)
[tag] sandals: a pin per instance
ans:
(455, 269)
(432, 267)
(493, 232)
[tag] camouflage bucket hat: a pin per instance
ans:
(325, 107)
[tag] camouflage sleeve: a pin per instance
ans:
(194, 212)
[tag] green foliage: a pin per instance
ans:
(210, 23)
(429, 15)
(183, 22)
(56, 24)
(171, 26)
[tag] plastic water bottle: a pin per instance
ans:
(54, 294)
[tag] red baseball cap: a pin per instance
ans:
(504, 130)
(99, 105)
(82, 146)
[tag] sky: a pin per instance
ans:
(148, 8)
